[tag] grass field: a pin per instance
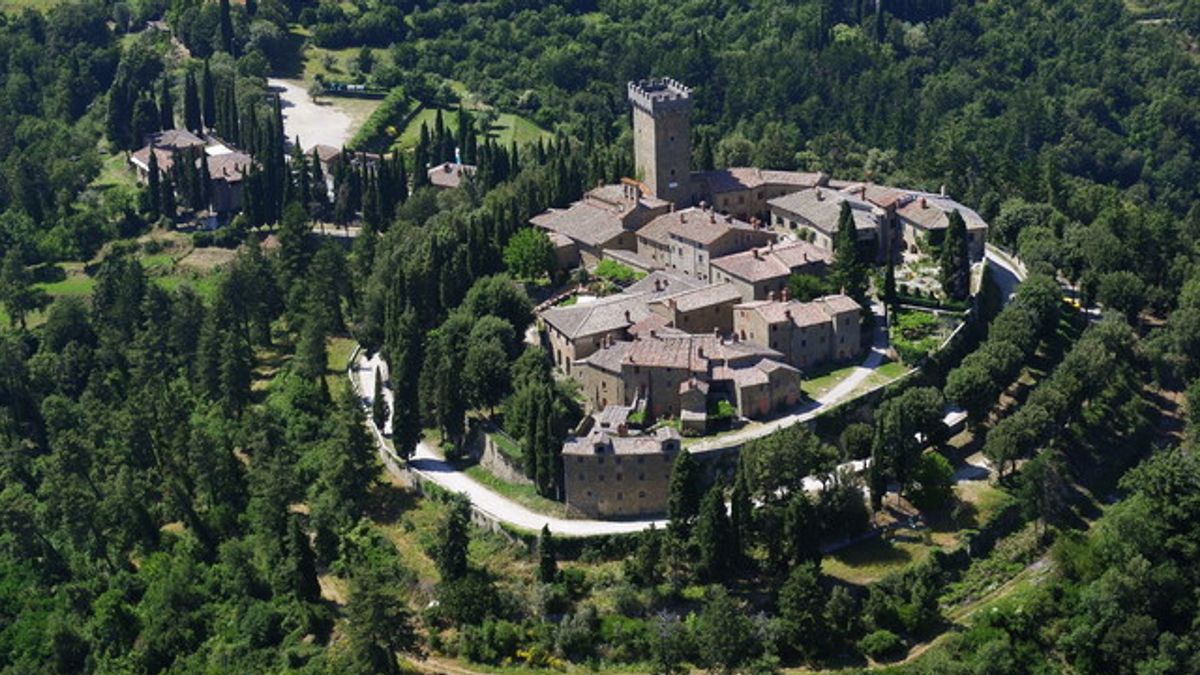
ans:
(337, 351)
(114, 172)
(508, 128)
(15, 6)
(874, 559)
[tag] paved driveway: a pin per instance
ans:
(313, 123)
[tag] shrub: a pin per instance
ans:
(881, 645)
(611, 270)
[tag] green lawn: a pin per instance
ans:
(817, 386)
(508, 128)
(507, 446)
(73, 285)
(114, 171)
(874, 559)
(15, 6)
(337, 351)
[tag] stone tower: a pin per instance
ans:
(662, 148)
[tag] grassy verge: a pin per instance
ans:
(337, 353)
(525, 495)
(818, 386)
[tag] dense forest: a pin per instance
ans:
(188, 484)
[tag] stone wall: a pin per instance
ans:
(500, 465)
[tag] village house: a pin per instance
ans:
(665, 370)
(164, 145)
(745, 192)
(924, 217)
(814, 214)
(226, 171)
(575, 331)
(761, 271)
(606, 218)
(687, 240)
(806, 333)
(701, 310)
(613, 472)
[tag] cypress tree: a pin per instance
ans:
(741, 512)
(849, 272)
(167, 198)
(889, 282)
(166, 106)
(310, 353)
(547, 557)
(209, 100)
(237, 361)
(405, 356)
(712, 536)
(379, 406)
(153, 186)
(450, 554)
(319, 197)
(956, 259)
(204, 180)
(226, 28)
(421, 158)
(683, 492)
(191, 104)
(802, 530)
(302, 563)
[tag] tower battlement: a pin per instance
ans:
(660, 94)
(662, 149)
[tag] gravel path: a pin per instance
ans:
(314, 123)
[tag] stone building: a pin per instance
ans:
(662, 147)
(806, 333)
(575, 331)
(924, 218)
(745, 192)
(815, 214)
(701, 310)
(611, 472)
(605, 219)
(761, 271)
(449, 175)
(686, 241)
(660, 370)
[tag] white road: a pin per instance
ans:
(314, 123)
(1007, 272)
(430, 465)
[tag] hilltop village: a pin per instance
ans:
(708, 333)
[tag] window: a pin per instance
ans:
(616, 460)
(641, 460)
(589, 493)
(579, 460)
(581, 477)
(620, 477)
(642, 494)
(599, 460)
(600, 478)
(620, 496)
(641, 476)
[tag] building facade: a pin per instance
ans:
(662, 147)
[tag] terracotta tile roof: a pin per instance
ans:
(694, 352)
(819, 311)
(585, 221)
(931, 212)
(141, 158)
(449, 175)
(622, 195)
(661, 284)
(823, 208)
(705, 296)
(695, 224)
(601, 316)
(772, 262)
(230, 167)
(175, 139)
(736, 179)
(326, 153)
(607, 442)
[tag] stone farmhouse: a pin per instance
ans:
(449, 175)
(227, 167)
(612, 471)
(686, 241)
(605, 219)
(759, 272)
(806, 333)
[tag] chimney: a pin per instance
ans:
(820, 195)
(785, 294)
(924, 204)
(757, 254)
(712, 217)
(657, 284)
(863, 192)
(771, 296)
(628, 318)
(700, 352)
(716, 331)
(943, 190)
(622, 430)
(653, 333)
(788, 313)
(682, 217)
